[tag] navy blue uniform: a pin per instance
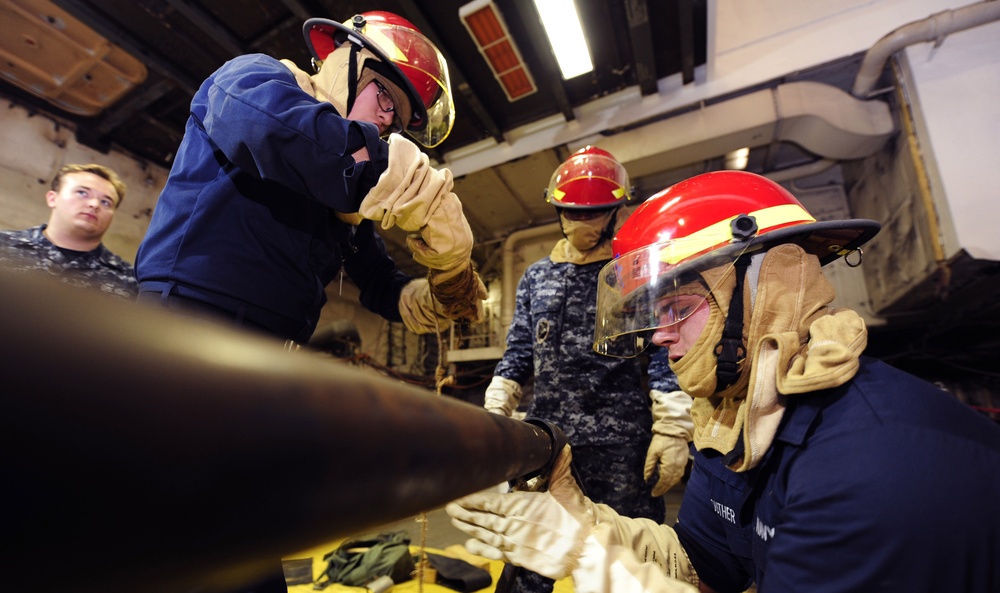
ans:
(246, 221)
(883, 484)
(30, 250)
(598, 401)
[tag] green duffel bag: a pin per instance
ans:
(360, 560)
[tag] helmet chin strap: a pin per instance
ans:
(730, 351)
(352, 78)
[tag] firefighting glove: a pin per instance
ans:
(560, 532)
(460, 291)
(541, 531)
(502, 396)
(668, 451)
(417, 198)
(610, 565)
(419, 310)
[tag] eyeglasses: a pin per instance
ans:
(386, 104)
(384, 99)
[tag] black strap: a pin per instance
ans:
(458, 574)
(352, 79)
(730, 350)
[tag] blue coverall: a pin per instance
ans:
(883, 484)
(246, 221)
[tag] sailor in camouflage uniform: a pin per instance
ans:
(83, 201)
(598, 401)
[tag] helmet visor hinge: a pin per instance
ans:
(730, 350)
(744, 227)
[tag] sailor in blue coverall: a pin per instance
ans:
(817, 468)
(279, 179)
(280, 175)
(877, 485)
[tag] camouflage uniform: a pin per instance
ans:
(598, 401)
(30, 250)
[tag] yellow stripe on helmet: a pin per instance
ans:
(678, 250)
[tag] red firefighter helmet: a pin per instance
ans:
(413, 59)
(704, 222)
(590, 179)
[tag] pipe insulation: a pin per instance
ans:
(508, 292)
(150, 452)
(820, 118)
(933, 28)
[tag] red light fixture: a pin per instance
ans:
(485, 24)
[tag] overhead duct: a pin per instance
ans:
(152, 453)
(933, 28)
(822, 119)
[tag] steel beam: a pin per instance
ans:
(148, 452)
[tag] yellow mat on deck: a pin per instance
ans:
(411, 586)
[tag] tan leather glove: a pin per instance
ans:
(502, 396)
(420, 313)
(607, 565)
(417, 198)
(561, 532)
(672, 428)
(541, 531)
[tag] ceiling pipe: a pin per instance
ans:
(933, 28)
(792, 173)
(509, 283)
(824, 120)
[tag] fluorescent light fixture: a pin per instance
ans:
(738, 159)
(562, 26)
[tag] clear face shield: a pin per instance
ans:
(588, 167)
(391, 40)
(425, 68)
(657, 286)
